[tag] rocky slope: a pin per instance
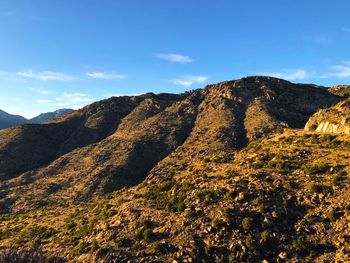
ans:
(340, 90)
(331, 120)
(204, 175)
(116, 142)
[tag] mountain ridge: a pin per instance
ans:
(220, 174)
(112, 134)
(9, 120)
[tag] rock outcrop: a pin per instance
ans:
(335, 119)
(341, 90)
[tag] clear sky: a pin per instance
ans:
(67, 53)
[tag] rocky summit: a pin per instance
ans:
(249, 170)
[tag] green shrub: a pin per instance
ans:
(5, 233)
(247, 223)
(331, 215)
(144, 231)
(170, 196)
(347, 208)
(313, 187)
(265, 236)
(147, 235)
(35, 233)
(94, 247)
(337, 178)
(299, 245)
(231, 194)
(81, 248)
(279, 130)
(262, 208)
(249, 242)
(315, 169)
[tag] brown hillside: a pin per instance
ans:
(219, 174)
(126, 137)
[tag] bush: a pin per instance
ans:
(347, 208)
(313, 188)
(170, 196)
(147, 235)
(315, 169)
(247, 223)
(299, 245)
(35, 233)
(144, 232)
(279, 130)
(331, 215)
(265, 236)
(249, 242)
(339, 177)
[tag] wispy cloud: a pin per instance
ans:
(104, 75)
(341, 71)
(43, 101)
(109, 95)
(190, 80)
(346, 29)
(44, 75)
(40, 91)
(67, 100)
(288, 74)
(76, 97)
(175, 58)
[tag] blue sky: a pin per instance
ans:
(68, 53)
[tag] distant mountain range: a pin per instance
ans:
(9, 120)
(45, 117)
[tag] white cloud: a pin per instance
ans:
(104, 75)
(67, 100)
(44, 75)
(76, 97)
(288, 74)
(40, 91)
(341, 71)
(190, 80)
(44, 101)
(175, 58)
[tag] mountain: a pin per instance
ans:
(9, 120)
(219, 174)
(45, 117)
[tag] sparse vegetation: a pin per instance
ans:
(183, 177)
